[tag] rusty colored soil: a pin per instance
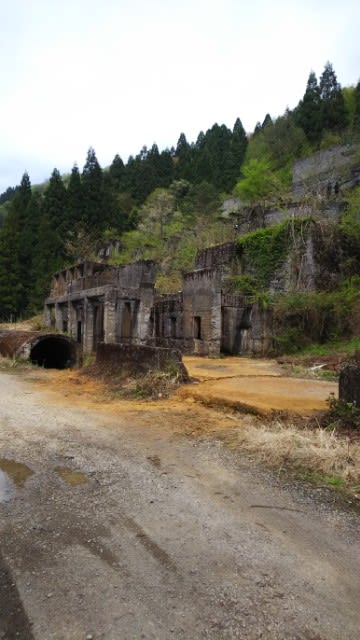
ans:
(254, 386)
(258, 386)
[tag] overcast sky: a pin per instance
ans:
(120, 74)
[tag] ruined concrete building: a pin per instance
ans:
(95, 303)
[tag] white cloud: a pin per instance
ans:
(117, 75)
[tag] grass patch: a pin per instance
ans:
(346, 347)
(309, 371)
(334, 481)
(11, 365)
(314, 454)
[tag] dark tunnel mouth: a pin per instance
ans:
(53, 352)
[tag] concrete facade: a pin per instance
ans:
(96, 303)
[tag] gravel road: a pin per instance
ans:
(115, 528)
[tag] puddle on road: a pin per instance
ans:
(12, 474)
(16, 471)
(72, 478)
(5, 487)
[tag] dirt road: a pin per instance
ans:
(116, 525)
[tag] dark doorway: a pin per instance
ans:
(54, 352)
(98, 331)
(126, 331)
(197, 327)
(79, 332)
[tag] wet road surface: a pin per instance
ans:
(124, 528)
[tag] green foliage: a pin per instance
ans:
(173, 225)
(244, 285)
(350, 100)
(165, 205)
(308, 114)
(350, 221)
(334, 116)
(269, 158)
(335, 481)
(259, 183)
(356, 119)
(342, 414)
(169, 282)
(302, 318)
(201, 199)
(94, 212)
(264, 251)
(215, 158)
(16, 246)
(347, 346)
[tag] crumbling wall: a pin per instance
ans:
(137, 274)
(96, 302)
(246, 326)
(257, 338)
(221, 255)
(168, 320)
(202, 311)
(129, 359)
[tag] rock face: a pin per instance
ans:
(327, 172)
(349, 383)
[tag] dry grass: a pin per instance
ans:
(153, 385)
(36, 323)
(320, 455)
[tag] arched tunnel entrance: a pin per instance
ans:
(49, 350)
(53, 352)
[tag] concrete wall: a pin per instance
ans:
(134, 359)
(167, 322)
(96, 302)
(202, 311)
(222, 255)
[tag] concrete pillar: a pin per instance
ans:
(72, 320)
(58, 318)
(88, 327)
(47, 316)
(110, 318)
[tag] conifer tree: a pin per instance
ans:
(184, 159)
(95, 212)
(334, 116)
(238, 148)
(75, 203)
(116, 174)
(10, 279)
(55, 203)
(48, 258)
(16, 246)
(96, 201)
(308, 115)
(357, 107)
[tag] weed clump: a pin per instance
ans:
(341, 415)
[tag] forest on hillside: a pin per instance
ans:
(163, 205)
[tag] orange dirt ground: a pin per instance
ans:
(245, 384)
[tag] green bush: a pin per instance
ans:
(264, 251)
(304, 317)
